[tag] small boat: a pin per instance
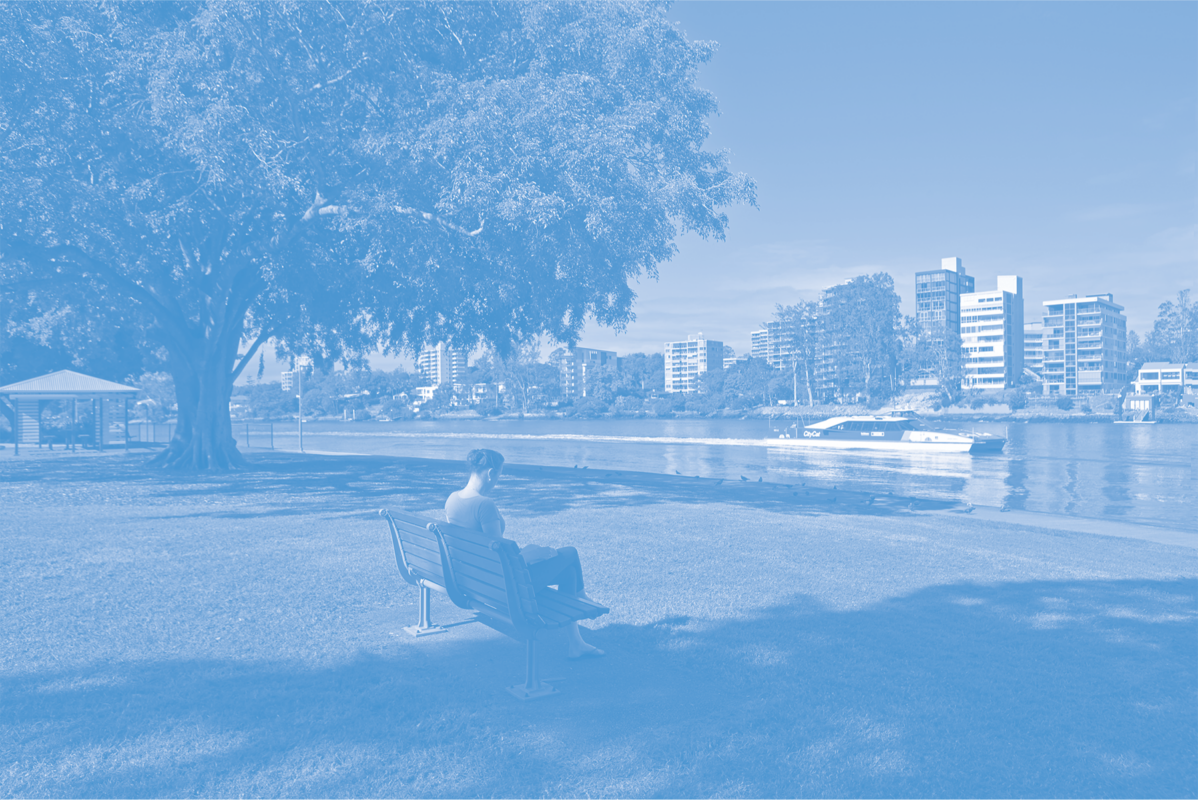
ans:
(890, 433)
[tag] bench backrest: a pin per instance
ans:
(488, 576)
(417, 552)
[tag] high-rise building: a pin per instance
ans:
(579, 368)
(761, 346)
(938, 297)
(1085, 345)
(441, 363)
(992, 335)
(834, 360)
(687, 361)
(1033, 347)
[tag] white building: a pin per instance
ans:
(992, 335)
(580, 366)
(1161, 377)
(760, 347)
(686, 361)
(938, 297)
(1085, 345)
(440, 364)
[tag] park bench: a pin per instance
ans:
(488, 577)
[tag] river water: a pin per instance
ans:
(1140, 473)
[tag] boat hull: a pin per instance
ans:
(881, 444)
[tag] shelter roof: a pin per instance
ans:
(66, 382)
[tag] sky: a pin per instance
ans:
(1055, 141)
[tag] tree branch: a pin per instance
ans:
(262, 338)
(424, 215)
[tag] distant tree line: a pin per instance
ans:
(1173, 338)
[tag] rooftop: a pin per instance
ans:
(66, 382)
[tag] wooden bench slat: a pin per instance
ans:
(490, 565)
(427, 549)
(552, 601)
(486, 592)
(480, 574)
(424, 568)
(473, 548)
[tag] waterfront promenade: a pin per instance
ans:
(242, 635)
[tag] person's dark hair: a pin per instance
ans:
(483, 460)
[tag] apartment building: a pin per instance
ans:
(760, 344)
(687, 361)
(1085, 345)
(1033, 346)
(580, 366)
(441, 363)
(938, 297)
(992, 344)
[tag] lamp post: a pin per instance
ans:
(300, 363)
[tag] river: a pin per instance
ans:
(1140, 473)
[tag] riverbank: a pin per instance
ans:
(242, 634)
(1091, 408)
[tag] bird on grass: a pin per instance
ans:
(676, 472)
(743, 478)
(575, 466)
(586, 467)
(969, 509)
(759, 480)
(721, 480)
(1004, 507)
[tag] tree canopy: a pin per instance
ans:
(342, 177)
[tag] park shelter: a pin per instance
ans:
(109, 405)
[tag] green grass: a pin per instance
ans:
(242, 635)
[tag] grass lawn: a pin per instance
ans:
(242, 635)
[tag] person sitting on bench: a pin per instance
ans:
(470, 507)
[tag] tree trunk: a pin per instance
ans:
(203, 439)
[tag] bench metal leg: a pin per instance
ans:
(426, 627)
(533, 687)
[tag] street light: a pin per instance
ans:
(300, 363)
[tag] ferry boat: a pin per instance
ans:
(890, 433)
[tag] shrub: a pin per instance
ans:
(662, 407)
(976, 403)
(1065, 403)
(1017, 400)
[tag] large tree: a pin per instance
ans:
(860, 324)
(1174, 335)
(799, 334)
(340, 177)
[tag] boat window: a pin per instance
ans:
(854, 426)
(875, 426)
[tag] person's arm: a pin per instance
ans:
(490, 521)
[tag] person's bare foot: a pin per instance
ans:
(584, 650)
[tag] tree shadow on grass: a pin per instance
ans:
(362, 484)
(1061, 689)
